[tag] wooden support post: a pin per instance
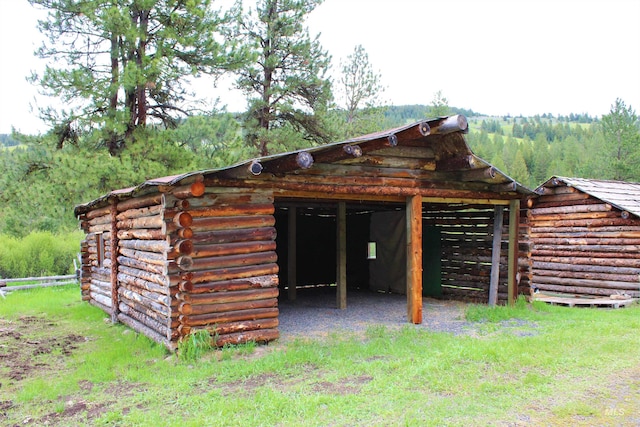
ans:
(514, 227)
(341, 271)
(115, 303)
(495, 254)
(414, 259)
(292, 254)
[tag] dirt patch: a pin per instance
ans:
(248, 386)
(313, 378)
(78, 412)
(346, 386)
(5, 406)
(23, 350)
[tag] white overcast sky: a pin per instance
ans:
(494, 57)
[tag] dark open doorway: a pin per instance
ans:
(376, 254)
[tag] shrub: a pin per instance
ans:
(40, 253)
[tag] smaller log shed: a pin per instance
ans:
(215, 249)
(585, 237)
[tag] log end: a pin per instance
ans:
(424, 129)
(184, 262)
(185, 308)
(185, 233)
(183, 219)
(197, 188)
(304, 160)
(186, 286)
(185, 247)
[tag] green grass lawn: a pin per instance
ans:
(63, 363)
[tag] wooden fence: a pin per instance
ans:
(43, 282)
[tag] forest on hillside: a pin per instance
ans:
(128, 115)
(43, 182)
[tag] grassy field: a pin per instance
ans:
(62, 363)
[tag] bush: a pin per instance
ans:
(40, 253)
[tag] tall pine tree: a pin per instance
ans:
(285, 83)
(118, 64)
(360, 90)
(622, 138)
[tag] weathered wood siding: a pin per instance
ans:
(144, 293)
(140, 289)
(583, 246)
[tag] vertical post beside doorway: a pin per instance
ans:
(498, 213)
(341, 270)
(292, 254)
(514, 230)
(414, 259)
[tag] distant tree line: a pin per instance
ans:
(8, 141)
(532, 149)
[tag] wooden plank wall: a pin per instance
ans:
(583, 246)
(227, 274)
(524, 247)
(466, 233)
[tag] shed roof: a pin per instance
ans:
(433, 153)
(620, 194)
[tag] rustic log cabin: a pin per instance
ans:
(585, 238)
(410, 210)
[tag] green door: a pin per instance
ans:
(431, 264)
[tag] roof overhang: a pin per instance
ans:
(430, 158)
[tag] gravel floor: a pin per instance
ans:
(314, 314)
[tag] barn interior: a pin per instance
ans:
(457, 248)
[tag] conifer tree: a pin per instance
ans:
(439, 106)
(622, 135)
(360, 90)
(285, 83)
(120, 64)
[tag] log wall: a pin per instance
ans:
(224, 262)
(581, 245)
(467, 238)
(187, 258)
(95, 254)
(146, 299)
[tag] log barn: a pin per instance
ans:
(409, 210)
(585, 238)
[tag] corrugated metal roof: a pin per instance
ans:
(620, 194)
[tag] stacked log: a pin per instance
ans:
(524, 249)
(95, 256)
(185, 258)
(143, 289)
(583, 246)
(223, 260)
(467, 236)
(466, 239)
